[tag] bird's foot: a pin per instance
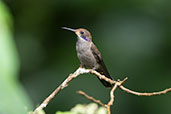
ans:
(82, 66)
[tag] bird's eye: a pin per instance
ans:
(81, 32)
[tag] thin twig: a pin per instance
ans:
(91, 98)
(110, 103)
(144, 94)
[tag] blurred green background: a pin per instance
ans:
(36, 55)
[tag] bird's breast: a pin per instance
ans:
(85, 54)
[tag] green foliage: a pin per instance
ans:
(59, 112)
(91, 108)
(13, 98)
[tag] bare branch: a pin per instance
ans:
(145, 94)
(102, 76)
(110, 103)
(126, 89)
(91, 98)
(59, 88)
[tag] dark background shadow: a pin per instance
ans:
(133, 37)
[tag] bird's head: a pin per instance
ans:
(81, 33)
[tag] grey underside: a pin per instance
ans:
(91, 59)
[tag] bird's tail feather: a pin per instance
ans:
(105, 83)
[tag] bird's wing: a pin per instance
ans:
(99, 60)
(96, 53)
(102, 70)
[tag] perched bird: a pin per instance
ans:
(88, 53)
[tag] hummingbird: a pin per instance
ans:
(88, 54)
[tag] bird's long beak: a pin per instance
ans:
(70, 29)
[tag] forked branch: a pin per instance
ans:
(110, 103)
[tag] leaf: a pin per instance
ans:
(13, 97)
